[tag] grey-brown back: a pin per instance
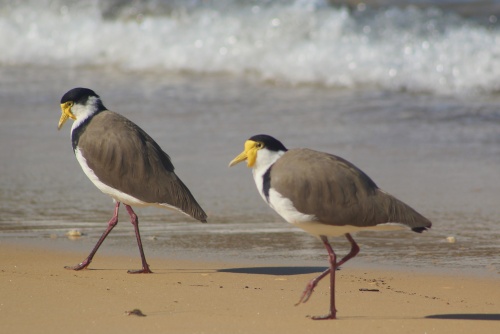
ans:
(126, 158)
(337, 192)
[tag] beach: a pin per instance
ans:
(40, 296)
(214, 277)
(391, 86)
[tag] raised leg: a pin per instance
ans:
(352, 253)
(312, 284)
(111, 224)
(310, 287)
(135, 221)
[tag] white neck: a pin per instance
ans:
(265, 159)
(83, 112)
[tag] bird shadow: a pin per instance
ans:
(466, 316)
(277, 271)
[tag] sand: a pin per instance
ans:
(38, 296)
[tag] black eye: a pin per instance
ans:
(260, 145)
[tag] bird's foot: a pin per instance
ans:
(144, 270)
(307, 292)
(80, 266)
(330, 316)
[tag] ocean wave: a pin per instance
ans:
(399, 48)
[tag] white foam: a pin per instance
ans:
(294, 42)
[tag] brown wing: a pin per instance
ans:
(337, 192)
(126, 158)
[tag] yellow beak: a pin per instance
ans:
(249, 154)
(241, 157)
(65, 114)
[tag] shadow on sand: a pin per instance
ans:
(279, 271)
(466, 316)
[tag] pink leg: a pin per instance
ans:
(333, 265)
(135, 221)
(352, 253)
(111, 224)
(310, 287)
(312, 284)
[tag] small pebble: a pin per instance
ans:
(451, 240)
(74, 234)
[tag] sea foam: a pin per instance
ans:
(292, 42)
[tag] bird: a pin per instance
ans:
(326, 196)
(124, 162)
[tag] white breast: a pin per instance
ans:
(114, 193)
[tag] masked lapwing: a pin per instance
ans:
(124, 162)
(324, 195)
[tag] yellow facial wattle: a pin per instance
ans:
(249, 154)
(65, 114)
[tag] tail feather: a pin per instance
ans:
(399, 212)
(421, 229)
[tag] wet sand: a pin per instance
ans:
(38, 295)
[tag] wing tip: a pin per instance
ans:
(201, 217)
(420, 229)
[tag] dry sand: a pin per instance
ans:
(38, 296)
